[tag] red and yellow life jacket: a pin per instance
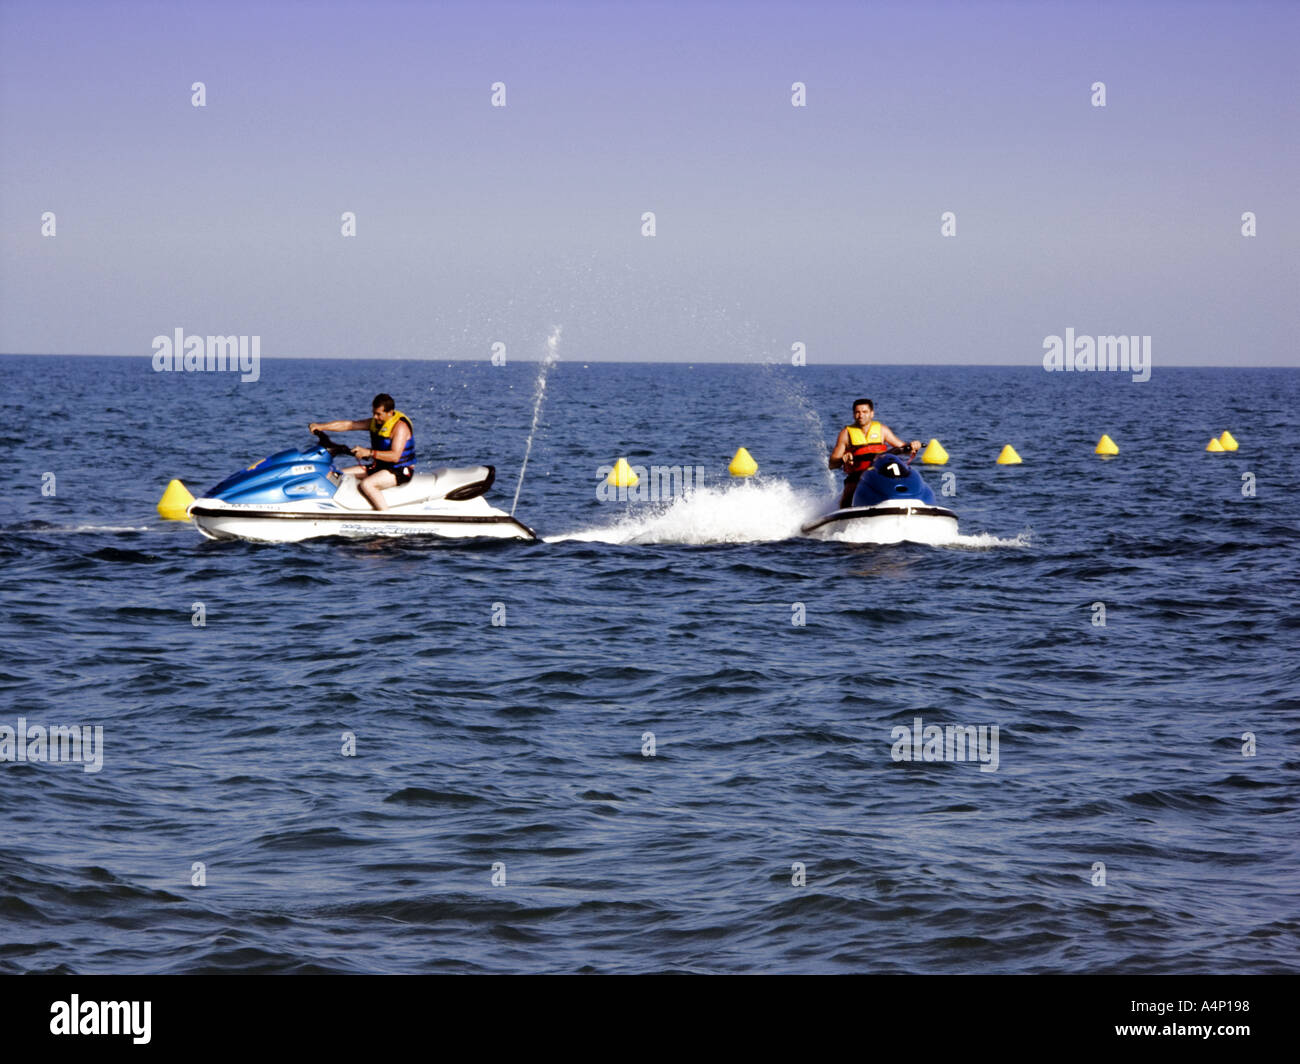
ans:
(865, 445)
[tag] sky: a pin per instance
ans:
(774, 224)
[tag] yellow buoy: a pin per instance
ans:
(1215, 445)
(1106, 446)
(934, 454)
(175, 501)
(1227, 442)
(743, 465)
(622, 475)
(1008, 456)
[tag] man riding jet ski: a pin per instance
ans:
(860, 444)
(885, 500)
(298, 494)
(390, 458)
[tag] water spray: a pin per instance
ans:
(539, 393)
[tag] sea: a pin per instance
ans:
(674, 734)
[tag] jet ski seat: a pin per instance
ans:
(463, 482)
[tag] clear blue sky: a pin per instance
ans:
(776, 224)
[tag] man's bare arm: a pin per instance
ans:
(894, 441)
(841, 446)
(338, 426)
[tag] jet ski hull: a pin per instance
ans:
(887, 523)
(279, 526)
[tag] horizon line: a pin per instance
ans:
(646, 362)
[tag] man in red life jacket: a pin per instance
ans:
(859, 444)
(390, 458)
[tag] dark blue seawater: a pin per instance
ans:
(522, 743)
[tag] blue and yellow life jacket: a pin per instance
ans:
(381, 439)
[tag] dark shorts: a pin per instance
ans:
(403, 475)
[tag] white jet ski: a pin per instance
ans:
(298, 494)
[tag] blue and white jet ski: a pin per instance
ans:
(298, 494)
(892, 504)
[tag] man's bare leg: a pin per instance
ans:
(372, 487)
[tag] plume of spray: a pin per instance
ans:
(768, 512)
(731, 513)
(539, 393)
(793, 392)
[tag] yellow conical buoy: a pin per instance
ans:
(1227, 442)
(174, 502)
(743, 465)
(1106, 446)
(1215, 445)
(934, 454)
(622, 475)
(1008, 456)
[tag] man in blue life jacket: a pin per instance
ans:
(859, 444)
(390, 458)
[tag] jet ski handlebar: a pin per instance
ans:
(335, 449)
(869, 460)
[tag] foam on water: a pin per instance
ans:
(983, 541)
(45, 529)
(750, 511)
(754, 511)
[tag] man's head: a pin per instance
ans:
(382, 405)
(863, 411)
